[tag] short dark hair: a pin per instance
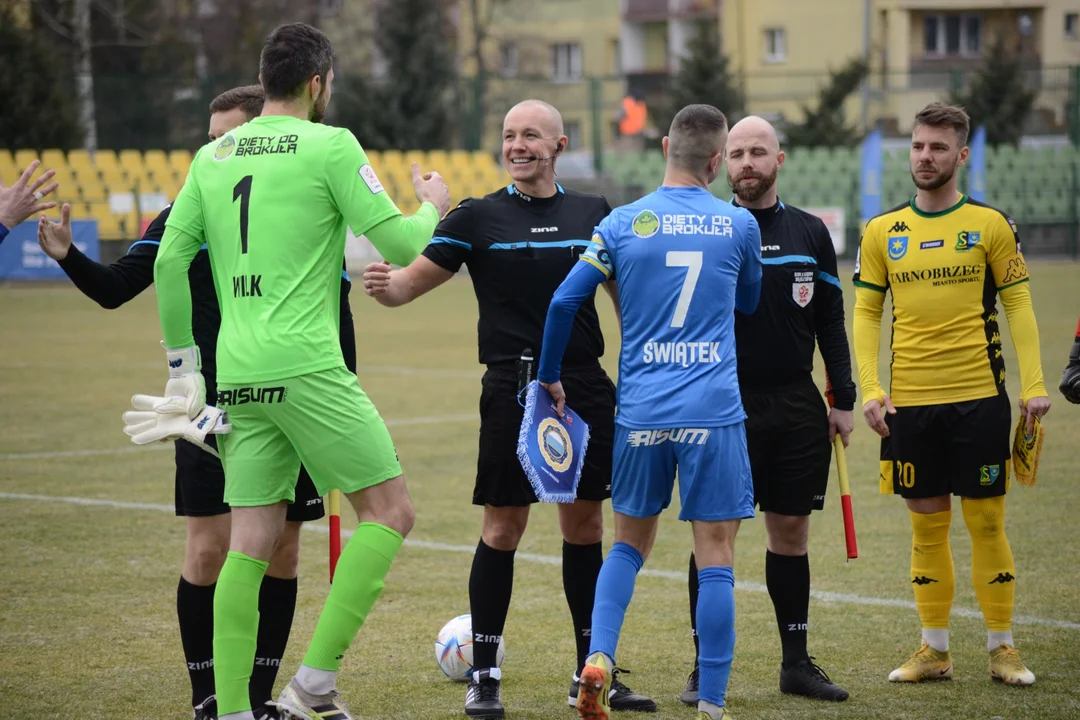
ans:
(696, 135)
(291, 56)
(249, 98)
(938, 114)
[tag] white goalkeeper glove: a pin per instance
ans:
(155, 419)
(186, 390)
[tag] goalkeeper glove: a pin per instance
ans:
(1070, 378)
(155, 419)
(186, 390)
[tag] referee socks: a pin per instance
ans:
(491, 584)
(788, 580)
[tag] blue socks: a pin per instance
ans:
(716, 630)
(614, 588)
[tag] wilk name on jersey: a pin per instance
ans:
(689, 436)
(682, 224)
(680, 353)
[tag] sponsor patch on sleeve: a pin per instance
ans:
(371, 179)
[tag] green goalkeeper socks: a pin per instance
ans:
(236, 628)
(358, 581)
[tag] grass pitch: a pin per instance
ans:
(91, 552)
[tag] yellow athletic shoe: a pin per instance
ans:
(594, 688)
(1006, 667)
(724, 715)
(926, 664)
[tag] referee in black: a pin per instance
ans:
(200, 479)
(789, 433)
(519, 243)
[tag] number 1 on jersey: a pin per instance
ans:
(242, 190)
(691, 260)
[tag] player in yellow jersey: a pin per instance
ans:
(945, 420)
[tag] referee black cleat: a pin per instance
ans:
(689, 695)
(483, 699)
(807, 679)
(206, 710)
(620, 697)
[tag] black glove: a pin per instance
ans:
(1070, 378)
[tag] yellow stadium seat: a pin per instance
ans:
(415, 156)
(156, 161)
(23, 158)
(460, 158)
(180, 160)
(79, 159)
(393, 158)
(108, 224)
(6, 160)
(131, 161)
(93, 190)
(374, 156)
(53, 159)
(105, 160)
(437, 160)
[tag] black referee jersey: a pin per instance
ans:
(518, 250)
(801, 302)
(113, 285)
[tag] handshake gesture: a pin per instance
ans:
(182, 413)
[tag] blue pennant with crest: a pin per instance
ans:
(551, 449)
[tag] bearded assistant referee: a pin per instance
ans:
(945, 420)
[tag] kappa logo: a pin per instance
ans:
(922, 580)
(1002, 578)
(899, 226)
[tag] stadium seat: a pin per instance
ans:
(180, 161)
(23, 158)
(53, 159)
(105, 160)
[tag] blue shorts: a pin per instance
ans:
(712, 464)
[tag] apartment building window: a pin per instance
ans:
(952, 35)
(775, 45)
(566, 62)
(573, 135)
(508, 59)
(1072, 26)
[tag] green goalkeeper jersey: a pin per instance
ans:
(271, 200)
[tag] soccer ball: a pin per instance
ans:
(453, 649)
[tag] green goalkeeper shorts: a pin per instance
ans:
(322, 419)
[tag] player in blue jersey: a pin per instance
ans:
(684, 261)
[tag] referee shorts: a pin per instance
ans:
(200, 486)
(787, 433)
(948, 449)
(500, 481)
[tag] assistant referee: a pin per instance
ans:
(519, 243)
(788, 430)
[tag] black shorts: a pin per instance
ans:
(787, 437)
(950, 449)
(500, 481)
(200, 486)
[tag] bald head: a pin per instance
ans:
(753, 160)
(536, 113)
(753, 130)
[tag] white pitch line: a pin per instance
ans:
(822, 595)
(401, 422)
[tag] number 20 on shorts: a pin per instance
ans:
(905, 472)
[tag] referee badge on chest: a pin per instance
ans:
(802, 290)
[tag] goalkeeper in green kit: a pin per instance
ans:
(271, 200)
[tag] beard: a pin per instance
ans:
(752, 192)
(318, 110)
(938, 181)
